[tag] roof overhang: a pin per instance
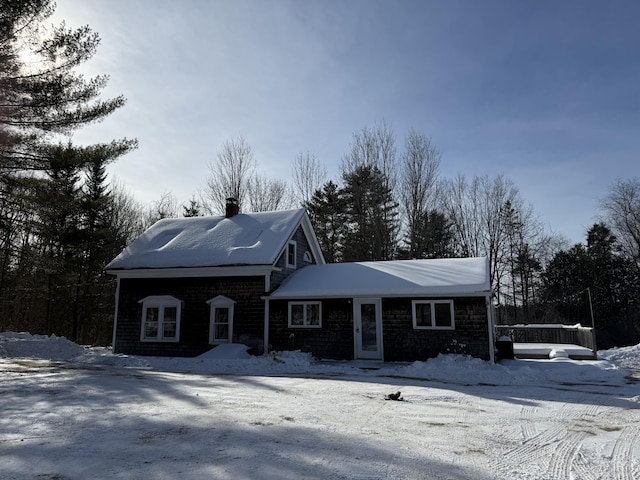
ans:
(452, 277)
(190, 272)
(381, 294)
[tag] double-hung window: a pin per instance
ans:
(220, 319)
(160, 319)
(292, 253)
(433, 314)
(305, 314)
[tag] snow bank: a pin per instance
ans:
(625, 357)
(38, 346)
(228, 351)
(233, 358)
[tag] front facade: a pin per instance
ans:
(187, 285)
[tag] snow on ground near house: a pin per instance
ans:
(71, 412)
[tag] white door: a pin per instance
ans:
(367, 325)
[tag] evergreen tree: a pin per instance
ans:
(430, 236)
(327, 213)
(613, 284)
(45, 95)
(372, 215)
(192, 210)
(93, 309)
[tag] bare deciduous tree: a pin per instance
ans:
(126, 214)
(165, 207)
(373, 148)
(308, 176)
(230, 175)
(265, 194)
(476, 211)
(419, 173)
(622, 212)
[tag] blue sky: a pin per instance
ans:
(546, 93)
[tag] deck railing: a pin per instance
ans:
(549, 333)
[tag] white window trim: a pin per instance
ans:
(304, 320)
(220, 302)
(433, 326)
(161, 302)
(294, 244)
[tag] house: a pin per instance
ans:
(187, 284)
(260, 279)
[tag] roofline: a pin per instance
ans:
(310, 232)
(475, 293)
(223, 271)
(305, 222)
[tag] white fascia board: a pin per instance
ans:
(236, 271)
(308, 230)
(311, 295)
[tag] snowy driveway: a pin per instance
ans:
(76, 421)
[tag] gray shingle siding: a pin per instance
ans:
(401, 342)
(194, 328)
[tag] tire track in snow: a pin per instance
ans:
(582, 468)
(537, 447)
(623, 451)
(527, 422)
(563, 456)
(556, 444)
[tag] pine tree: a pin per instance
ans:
(372, 215)
(327, 213)
(191, 210)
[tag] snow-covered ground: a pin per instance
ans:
(70, 412)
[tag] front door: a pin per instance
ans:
(367, 325)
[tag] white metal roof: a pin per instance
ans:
(244, 239)
(448, 276)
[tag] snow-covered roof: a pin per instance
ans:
(244, 239)
(449, 276)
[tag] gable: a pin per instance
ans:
(244, 239)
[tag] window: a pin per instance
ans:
(160, 319)
(305, 315)
(291, 254)
(221, 319)
(434, 314)
(306, 258)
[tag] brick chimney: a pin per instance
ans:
(232, 208)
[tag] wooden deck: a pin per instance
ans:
(553, 350)
(550, 341)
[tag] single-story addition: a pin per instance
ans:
(403, 310)
(188, 284)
